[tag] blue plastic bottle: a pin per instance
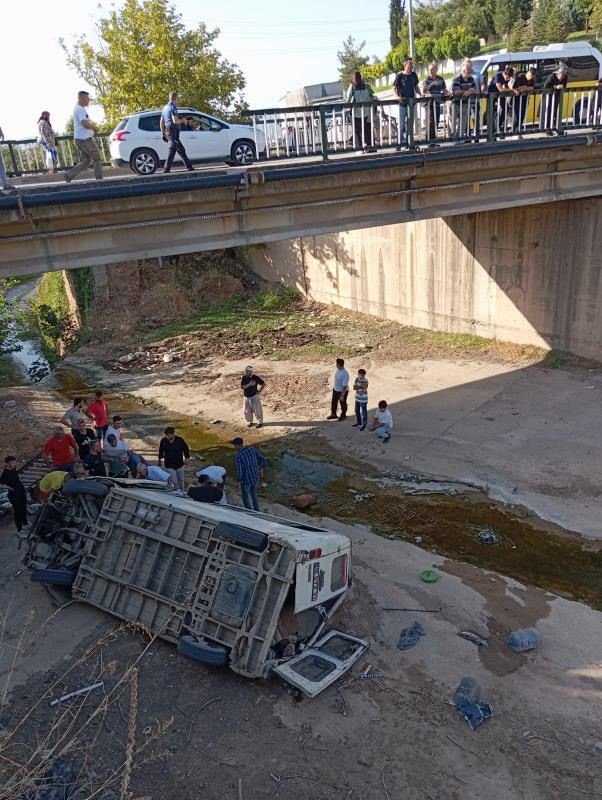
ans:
(524, 639)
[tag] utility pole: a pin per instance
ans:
(411, 28)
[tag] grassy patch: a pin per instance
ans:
(278, 299)
(9, 375)
(49, 317)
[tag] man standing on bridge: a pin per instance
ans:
(4, 184)
(83, 135)
(170, 129)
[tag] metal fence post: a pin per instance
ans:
(323, 134)
(490, 107)
(410, 123)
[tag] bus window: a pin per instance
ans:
(583, 69)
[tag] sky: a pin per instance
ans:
(279, 47)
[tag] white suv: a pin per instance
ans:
(136, 141)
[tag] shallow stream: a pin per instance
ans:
(448, 519)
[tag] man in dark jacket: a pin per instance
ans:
(9, 479)
(406, 87)
(175, 451)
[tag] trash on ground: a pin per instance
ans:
(409, 637)
(85, 690)
(302, 501)
(429, 576)
(524, 639)
(216, 422)
(361, 498)
(473, 637)
(487, 536)
(467, 699)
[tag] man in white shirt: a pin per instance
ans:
(217, 476)
(155, 474)
(340, 390)
(83, 135)
(382, 422)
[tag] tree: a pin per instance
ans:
(507, 14)
(474, 19)
(550, 22)
(457, 43)
(397, 12)
(595, 19)
(351, 58)
(521, 36)
(425, 49)
(145, 51)
(10, 318)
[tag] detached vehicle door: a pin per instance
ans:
(204, 138)
(321, 664)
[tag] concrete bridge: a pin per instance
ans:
(88, 224)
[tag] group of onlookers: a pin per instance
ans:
(508, 90)
(382, 421)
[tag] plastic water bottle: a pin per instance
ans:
(524, 639)
(468, 691)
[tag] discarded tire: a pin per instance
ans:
(53, 577)
(212, 654)
(91, 488)
(243, 536)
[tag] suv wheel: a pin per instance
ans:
(242, 152)
(144, 161)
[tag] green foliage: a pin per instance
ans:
(457, 43)
(550, 22)
(278, 299)
(373, 71)
(425, 48)
(83, 284)
(507, 14)
(351, 58)
(397, 12)
(50, 318)
(145, 51)
(521, 36)
(476, 20)
(595, 18)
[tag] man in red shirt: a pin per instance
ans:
(99, 412)
(60, 452)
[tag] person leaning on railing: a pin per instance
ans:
(406, 88)
(552, 88)
(435, 88)
(524, 85)
(4, 184)
(464, 92)
(358, 93)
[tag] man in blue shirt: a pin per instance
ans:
(249, 470)
(170, 129)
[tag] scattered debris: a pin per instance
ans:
(487, 536)
(10, 403)
(524, 639)
(409, 637)
(367, 675)
(85, 690)
(415, 610)
(429, 576)
(302, 501)
(470, 636)
(467, 699)
(361, 498)
(216, 422)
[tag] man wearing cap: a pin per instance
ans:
(83, 135)
(249, 471)
(553, 85)
(252, 386)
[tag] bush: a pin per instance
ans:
(50, 317)
(276, 299)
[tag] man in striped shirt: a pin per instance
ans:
(249, 471)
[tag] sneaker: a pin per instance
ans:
(356, 424)
(250, 424)
(342, 417)
(332, 416)
(363, 428)
(259, 425)
(386, 439)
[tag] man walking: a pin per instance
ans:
(170, 130)
(340, 390)
(9, 479)
(252, 386)
(83, 135)
(175, 451)
(249, 470)
(4, 184)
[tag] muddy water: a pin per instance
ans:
(524, 547)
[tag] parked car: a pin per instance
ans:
(227, 585)
(136, 141)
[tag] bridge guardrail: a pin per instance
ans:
(325, 130)
(26, 157)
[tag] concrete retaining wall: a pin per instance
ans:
(528, 275)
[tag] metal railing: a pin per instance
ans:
(326, 130)
(26, 156)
